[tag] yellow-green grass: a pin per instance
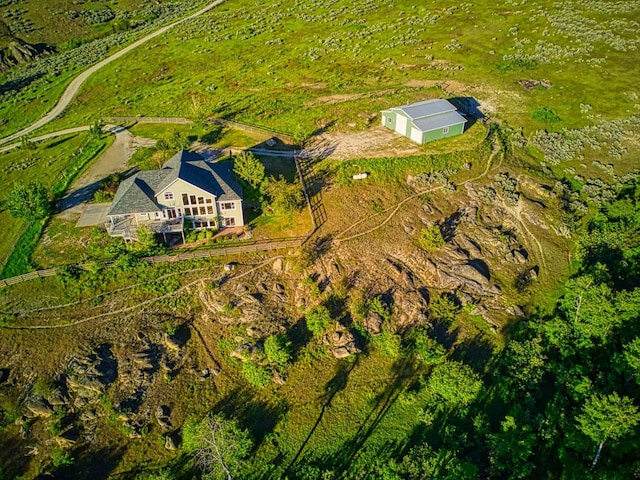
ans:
(54, 163)
(214, 135)
(232, 62)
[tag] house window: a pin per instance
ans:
(187, 212)
(200, 200)
(230, 222)
(203, 211)
(389, 119)
(185, 199)
(209, 201)
(157, 214)
(168, 195)
(209, 210)
(445, 130)
(227, 206)
(192, 199)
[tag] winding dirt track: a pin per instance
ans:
(73, 88)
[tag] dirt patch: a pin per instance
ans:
(372, 143)
(530, 85)
(345, 97)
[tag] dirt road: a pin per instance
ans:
(113, 160)
(73, 88)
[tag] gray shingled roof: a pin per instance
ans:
(137, 194)
(426, 108)
(435, 122)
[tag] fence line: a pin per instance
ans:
(177, 120)
(258, 246)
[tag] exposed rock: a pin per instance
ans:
(471, 272)
(533, 273)
(241, 289)
(373, 323)
(340, 352)
(254, 332)
(229, 267)
(278, 288)
(38, 407)
(516, 311)
(169, 442)
(479, 310)
(520, 256)
(171, 343)
(278, 266)
(244, 352)
(277, 378)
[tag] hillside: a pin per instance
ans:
(464, 309)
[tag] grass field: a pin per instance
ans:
(54, 163)
(296, 72)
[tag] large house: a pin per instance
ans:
(186, 191)
(425, 121)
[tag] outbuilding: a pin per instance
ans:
(425, 121)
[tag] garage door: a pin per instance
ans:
(401, 124)
(416, 135)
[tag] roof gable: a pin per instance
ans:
(426, 109)
(139, 193)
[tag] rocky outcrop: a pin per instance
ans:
(341, 343)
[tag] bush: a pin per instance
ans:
(444, 308)
(426, 348)
(431, 238)
(318, 319)
(545, 115)
(256, 375)
(60, 458)
(388, 343)
(277, 348)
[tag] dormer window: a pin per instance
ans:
(227, 206)
(168, 195)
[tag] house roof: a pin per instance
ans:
(139, 193)
(434, 122)
(430, 114)
(426, 108)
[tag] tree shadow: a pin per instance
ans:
(404, 371)
(440, 331)
(476, 352)
(216, 131)
(449, 226)
(96, 464)
(337, 384)
(19, 83)
(258, 416)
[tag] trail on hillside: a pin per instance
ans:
(394, 208)
(70, 92)
(141, 304)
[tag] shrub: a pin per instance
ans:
(277, 348)
(60, 458)
(256, 375)
(545, 115)
(388, 343)
(431, 238)
(318, 319)
(426, 348)
(444, 308)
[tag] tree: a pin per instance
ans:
(285, 197)
(426, 348)
(444, 308)
(218, 445)
(277, 348)
(318, 319)
(431, 238)
(96, 129)
(30, 202)
(607, 417)
(179, 140)
(455, 383)
(250, 169)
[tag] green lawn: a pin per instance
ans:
(293, 71)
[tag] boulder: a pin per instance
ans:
(373, 323)
(38, 407)
(169, 442)
(278, 266)
(340, 352)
